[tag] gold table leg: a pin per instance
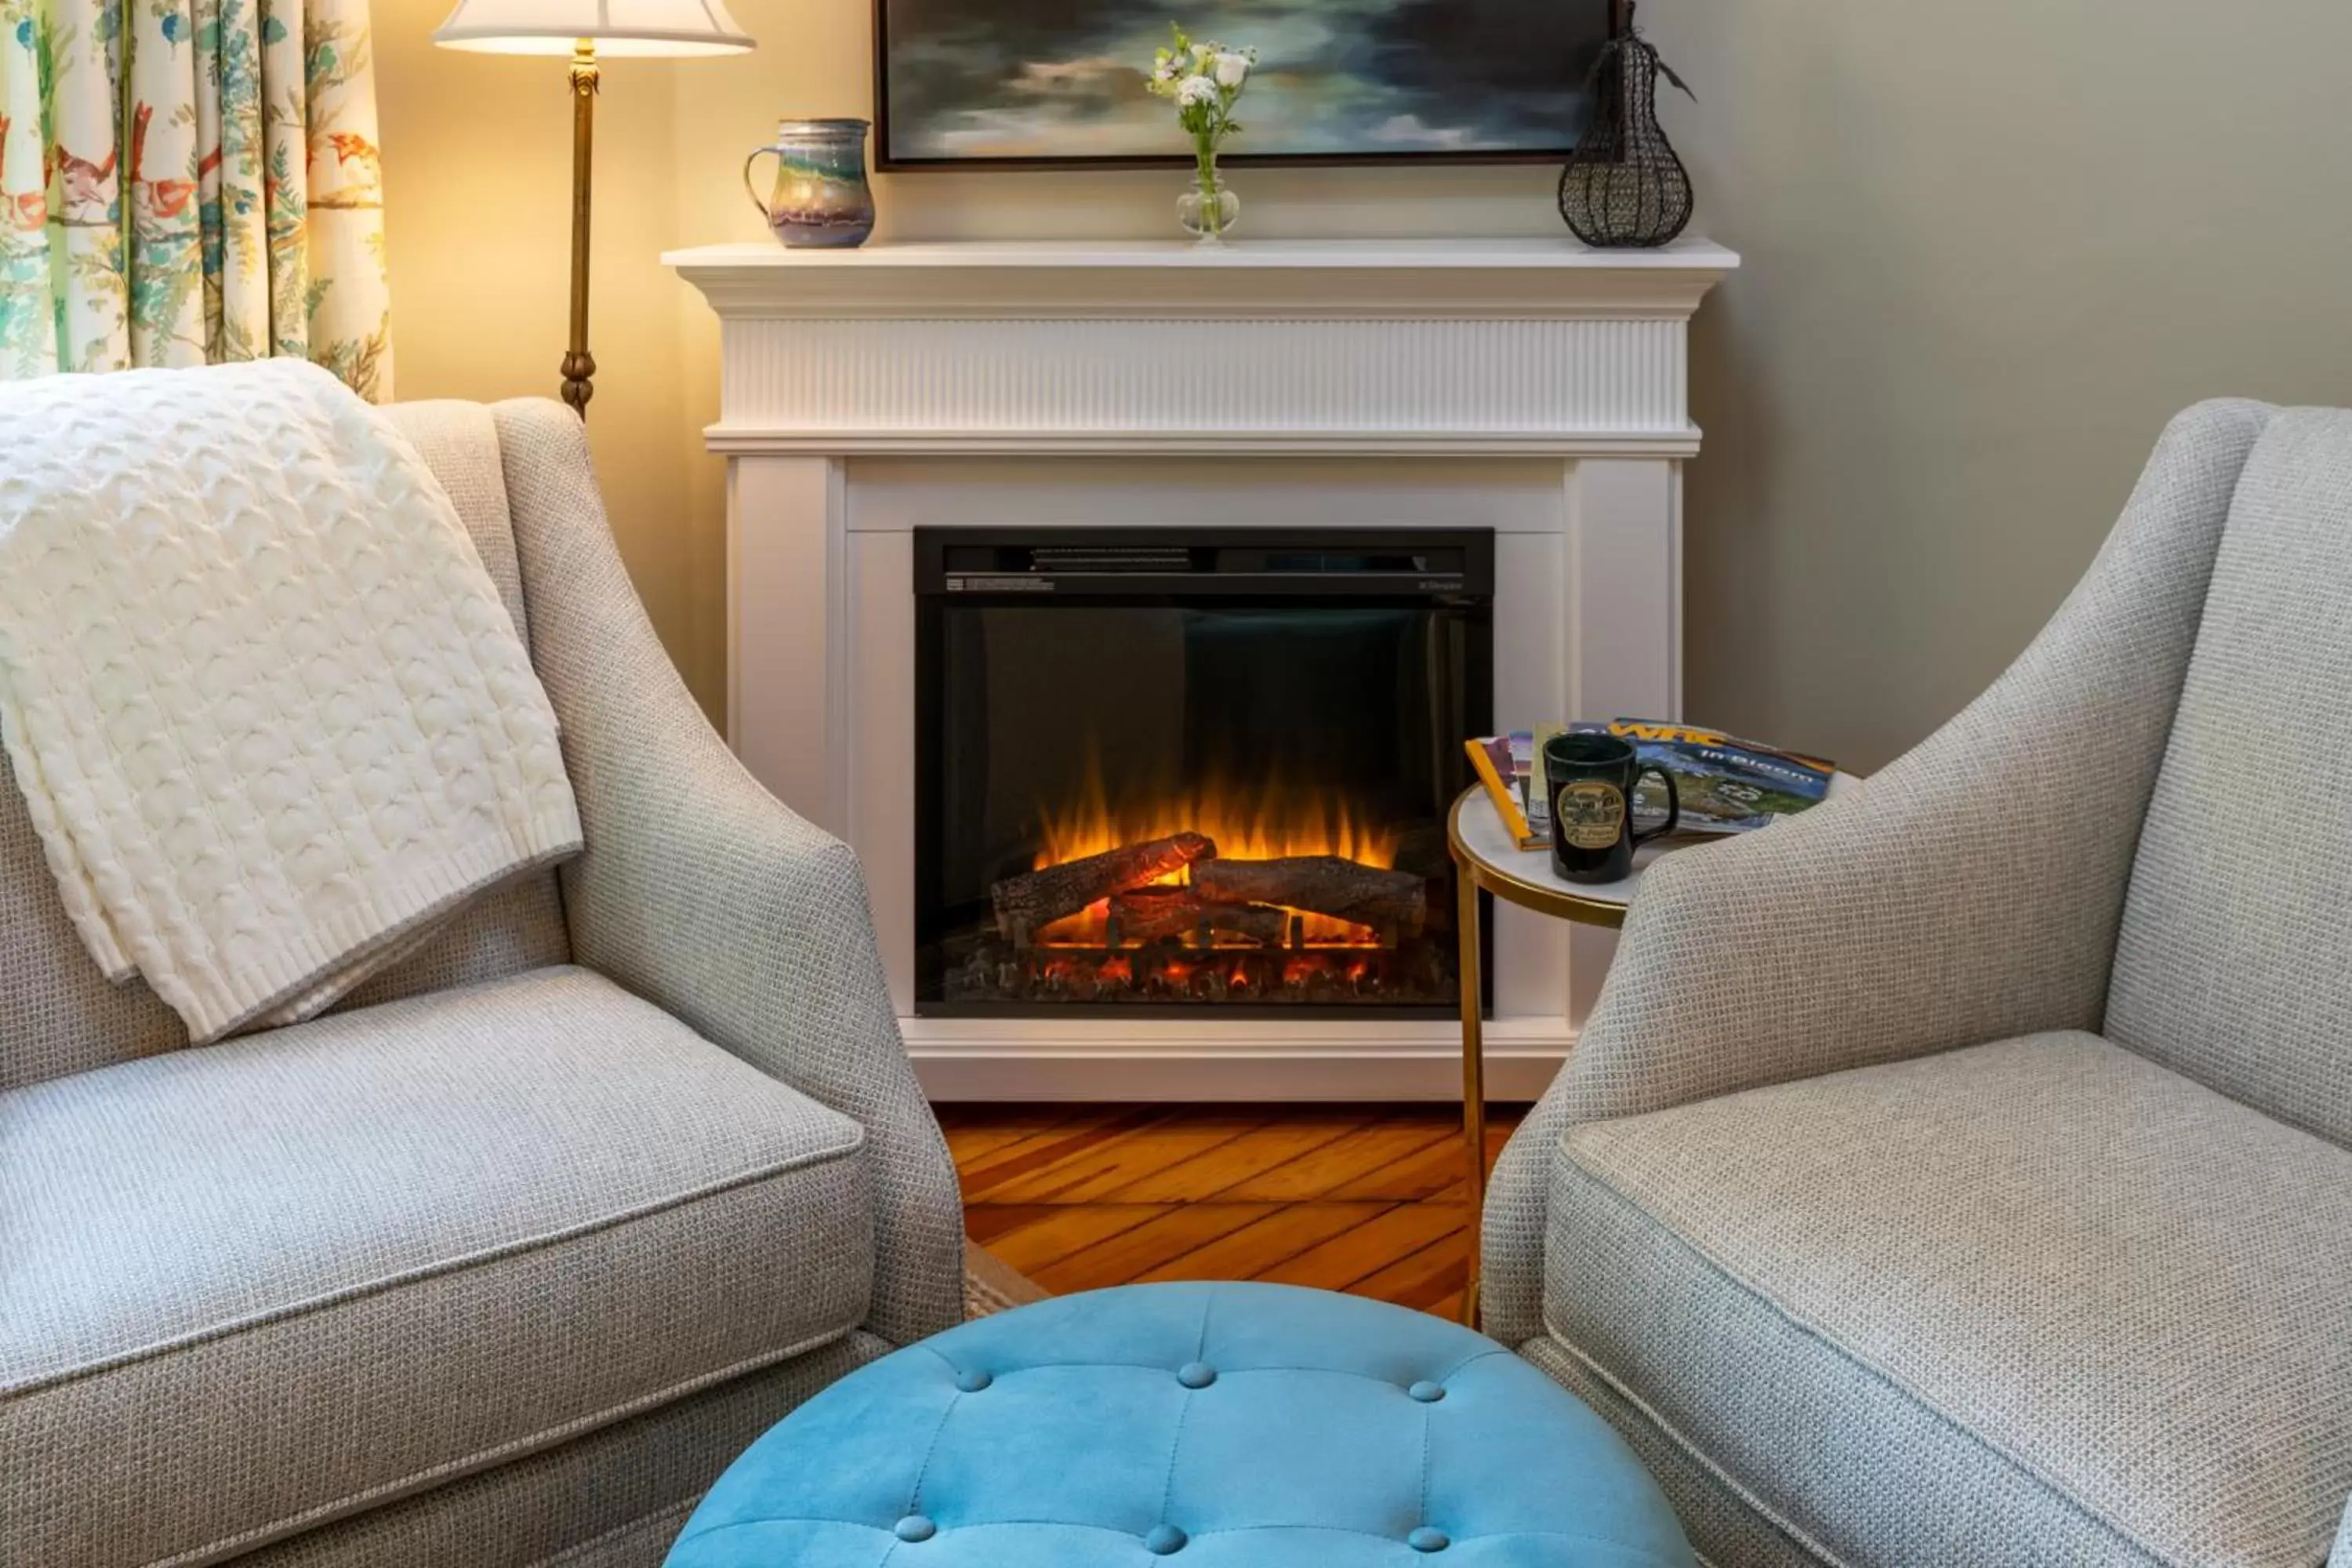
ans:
(1474, 1078)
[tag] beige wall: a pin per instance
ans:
(1989, 247)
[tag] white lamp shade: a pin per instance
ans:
(617, 28)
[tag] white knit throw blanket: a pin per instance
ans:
(266, 710)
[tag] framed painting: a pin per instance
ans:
(1025, 84)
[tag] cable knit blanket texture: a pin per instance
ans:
(268, 714)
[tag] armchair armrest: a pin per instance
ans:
(1970, 892)
(701, 892)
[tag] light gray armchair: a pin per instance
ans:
(1958, 1175)
(502, 1262)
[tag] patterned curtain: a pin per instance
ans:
(185, 182)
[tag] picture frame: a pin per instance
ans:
(935, 111)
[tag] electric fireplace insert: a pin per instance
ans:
(1193, 769)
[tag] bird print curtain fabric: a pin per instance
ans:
(185, 182)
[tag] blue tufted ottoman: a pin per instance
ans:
(1225, 1426)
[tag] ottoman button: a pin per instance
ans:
(972, 1382)
(1427, 1540)
(1428, 1392)
(1164, 1540)
(1195, 1375)
(913, 1528)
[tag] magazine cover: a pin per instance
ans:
(1727, 784)
(1538, 788)
(1506, 765)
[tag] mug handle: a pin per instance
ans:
(749, 190)
(1674, 806)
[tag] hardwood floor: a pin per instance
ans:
(1367, 1199)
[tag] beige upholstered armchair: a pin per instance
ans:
(1958, 1175)
(502, 1262)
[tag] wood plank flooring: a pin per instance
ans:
(1367, 1199)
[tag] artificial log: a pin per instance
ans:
(1027, 903)
(1326, 884)
(1148, 913)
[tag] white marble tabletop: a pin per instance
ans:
(1482, 834)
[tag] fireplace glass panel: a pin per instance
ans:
(1186, 773)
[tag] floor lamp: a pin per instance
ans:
(589, 30)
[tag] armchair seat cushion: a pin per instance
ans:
(248, 1288)
(2041, 1290)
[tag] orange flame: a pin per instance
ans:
(1268, 822)
(1265, 824)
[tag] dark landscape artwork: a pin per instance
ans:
(1025, 82)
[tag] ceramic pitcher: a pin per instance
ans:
(820, 196)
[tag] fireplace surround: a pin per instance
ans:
(1530, 391)
(1188, 768)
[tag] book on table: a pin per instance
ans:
(1724, 784)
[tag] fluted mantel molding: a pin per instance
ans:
(1498, 346)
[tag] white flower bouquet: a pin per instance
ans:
(1203, 80)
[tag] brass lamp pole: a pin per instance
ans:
(578, 364)
(584, 29)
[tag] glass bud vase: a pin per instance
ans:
(1206, 209)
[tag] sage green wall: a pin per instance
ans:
(1989, 246)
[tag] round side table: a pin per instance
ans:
(1490, 859)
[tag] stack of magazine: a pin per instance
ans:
(1724, 784)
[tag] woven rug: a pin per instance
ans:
(992, 1285)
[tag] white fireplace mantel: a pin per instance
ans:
(1092, 279)
(1535, 387)
(1435, 346)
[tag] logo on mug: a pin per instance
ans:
(1591, 814)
